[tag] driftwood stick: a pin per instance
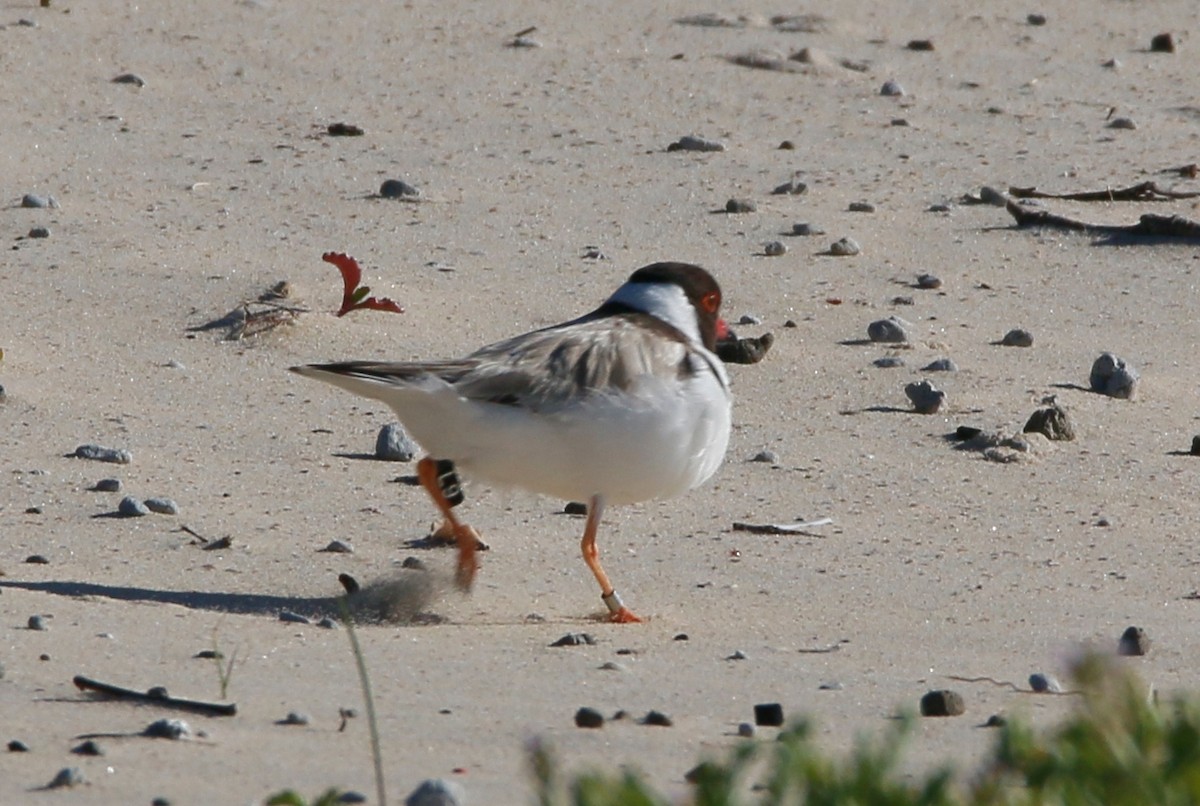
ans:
(1150, 225)
(155, 697)
(1144, 191)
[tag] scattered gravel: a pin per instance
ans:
(925, 398)
(846, 247)
(892, 330)
(589, 718)
(398, 189)
(1053, 421)
(131, 507)
(942, 702)
(693, 143)
(1017, 338)
(1133, 642)
(1114, 377)
(98, 453)
(163, 506)
(436, 792)
(168, 729)
(768, 714)
(1044, 683)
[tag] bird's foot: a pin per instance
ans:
(618, 613)
(625, 616)
(446, 533)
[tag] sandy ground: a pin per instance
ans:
(181, 198)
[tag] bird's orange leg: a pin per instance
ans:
(464, 536)
(619, 613)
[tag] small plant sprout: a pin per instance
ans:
(354, 297)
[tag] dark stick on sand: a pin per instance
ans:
(1149, 225)
(1144, 191)
(156, 696)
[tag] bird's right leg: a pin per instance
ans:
(440, 481)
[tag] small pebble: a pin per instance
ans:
(1195, 450)
(941, 365)
(861, 207)
(1035, 19)
(88, 748)
(766, 456)
(749, 319)
(163, 506)
(939, 208)
(1112, 64)
(924, 397)
(793, 187)
(992, 196)
(1122, 123)
(36, 201)
(680, 637)
(295, 718)
(942, 703)
(831, 685)
(589, 718)
(394, 444)
(116, 456)
(768, 714)
(131, 507)
(1114, 377)
(1017, 338)
(107, 486)
(692, 143)
(1044, 683)
(900, 122)
(889, 362)
(341, 129)
(327, 623)
(436, 792)
(575, 508)
(293, 618)
(787, 145)
(130, 78)
(891, 88)
(892, 330)
(168, 729)
(745, 730)
(398, 189)
(737, 655)
(37, 559)
(928, 281)
(1134, 642)
(657, 719)
(805, 228)
(612, 666)
(338, 547)
(920, 44)
(903, 300)
(740, 206)
(414, 563)
(575, 639)
(66, 777)
(846, 247)
(1162, 43)
(1053, 421)
(209, 654)
(38, 623)
(39, 232)
(774, 248)
(18, 746)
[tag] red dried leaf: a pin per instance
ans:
(353, 294)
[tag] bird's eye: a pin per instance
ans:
(711, 301)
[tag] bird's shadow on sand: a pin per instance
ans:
(252, 604)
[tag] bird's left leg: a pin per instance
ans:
(439, 480)
(618, 612)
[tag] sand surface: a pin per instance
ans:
(182, 198)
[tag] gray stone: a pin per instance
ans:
(1053, 421)
(131, 507)
(1114, 377)
(394, 444)
(163, 506)
(924, 397)
(436, 792)
(892, 330)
